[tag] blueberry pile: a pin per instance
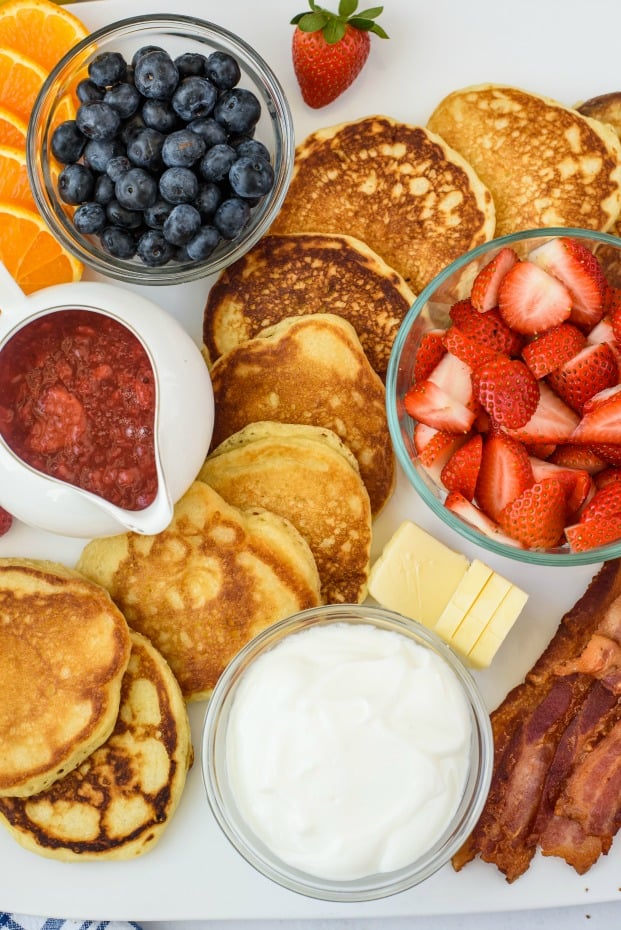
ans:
(160, 161)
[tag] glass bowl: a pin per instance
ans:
(219, 749)
(431, 310)
(177, 35)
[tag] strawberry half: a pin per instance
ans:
(487, 328)
(505, 472)
(597, 532)
(553, 348)
(577, 482)
(469, 350)
(484, 293)
(552, 422)
(507, 389)
(606, 502)
(329, 50)
(575, 265)
(537, 517)
(430, 350)
(592, 370)
(462, 469)
(530, 300)
(433, 406)
(470, 513)
(601, 420)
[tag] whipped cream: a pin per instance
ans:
(348, 749)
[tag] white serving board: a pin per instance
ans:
(569, 52)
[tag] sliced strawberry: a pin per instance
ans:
(432, 405)
(429, 352)
(608, 451)
(6, 521)
(530, 300)
(507, 389)
(469, 350)
(597, 532)
(537, 517)
(434, 448)
(601, 420)
(612, 307)
(592, 370)
(542, 450)
(462, 469)
(484, 293)
(577, 483)
(454, 377)
(553, 348)
(607, 476)
(572, 455)
(487, 328)
(575, 265)
(552, 422)
(602, 332)
(471, 514)
(606, 502)
(505, 472)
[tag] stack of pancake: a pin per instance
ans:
(94, 734)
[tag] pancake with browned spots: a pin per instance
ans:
(117, 803)
(205, 585)
(292, 275)
(64, 647)
(399, 188)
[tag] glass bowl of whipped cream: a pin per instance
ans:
(347, 753)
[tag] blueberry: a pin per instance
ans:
(98, 121)
(97, 154)
(155, 216)
(156, 75)
(104, 189)
(107, 68)
(136, 189)
(238, 110)
(208, 199)
(222, 70)
(178, 185)
(217, 161)
(182, 224)
(124, 98)
(190, 63)
(158, 114)
(119, 215)
(231, 217)
(117, 167)
(67, 143)
(75, 184)
(131, 128)
(203, 243)
(251, 177)
(89, 218)
(194, 97)
(153, 248)
(253, 148)
(88, 92)
(118, 242)
(210, 131)
(182, 148)
(145, 149)
(144, 50)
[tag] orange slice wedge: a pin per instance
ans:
(30, 252)
(40, 29)
(21, 80)
(13, 129)
(14, 184)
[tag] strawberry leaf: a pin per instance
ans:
(333, 31)
(310, 22)
(347, 7)
(367, 25)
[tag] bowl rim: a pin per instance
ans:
(553, 558)
(241, 837)
(274, 103)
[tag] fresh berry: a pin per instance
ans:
(608, 476)
(597, 532)
(231, 217)
(156, 75)
(575, 265)
(487, 328)
(572, 455)
(124, 98)
(222, 70)
(577, 482)
(592, 370)
(251, 177)
(434, 448)
(329, 50)
(136, 189)
(507, 389)
(178, 185)
(432, 405)
(505, 472)
(609, 452)
(552, 422)
(89, 218)
(98, 121)
(217, 162)
(601, 420)
(454, 377)
(537, 517)
(75, 184)
(238, 110)
(428, 354)
(6, 521)
(471, 514)
(469, 350)
(195, 97)
(182, 224)
(154, 249)
(606, 502)
(107, 68)
(67, 142)
(203, 243)
(462, 469)
(553, 348)
(182, 148)
(189, 63)
(484, 294)
(530, 300)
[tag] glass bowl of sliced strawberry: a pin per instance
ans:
(504, 396)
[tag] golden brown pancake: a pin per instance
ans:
(306, 474)
(64, 647)
(399, 188)
(117, 803)
(208, 583)
(545, 163)
(292, 275)
(310, 370)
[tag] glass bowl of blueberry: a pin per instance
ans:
(160, 149)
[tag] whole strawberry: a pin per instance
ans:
(330, 49)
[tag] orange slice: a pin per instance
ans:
(39, 29)
(21, 80)
(14, 184)
(12, 129)
(30, 252)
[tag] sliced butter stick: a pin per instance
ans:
(498, 628)
(489, 599)
(462, 599)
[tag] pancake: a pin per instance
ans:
(399, 188)
(208, 583)
(292, 275)
(64, 647)
(545, 163)
(310, 370)
(306, 474)
(119, 801)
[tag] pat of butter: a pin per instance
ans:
(481, 612)
(462, 599)
(416, 575)
(499, 626)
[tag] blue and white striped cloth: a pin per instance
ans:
(24, 922)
